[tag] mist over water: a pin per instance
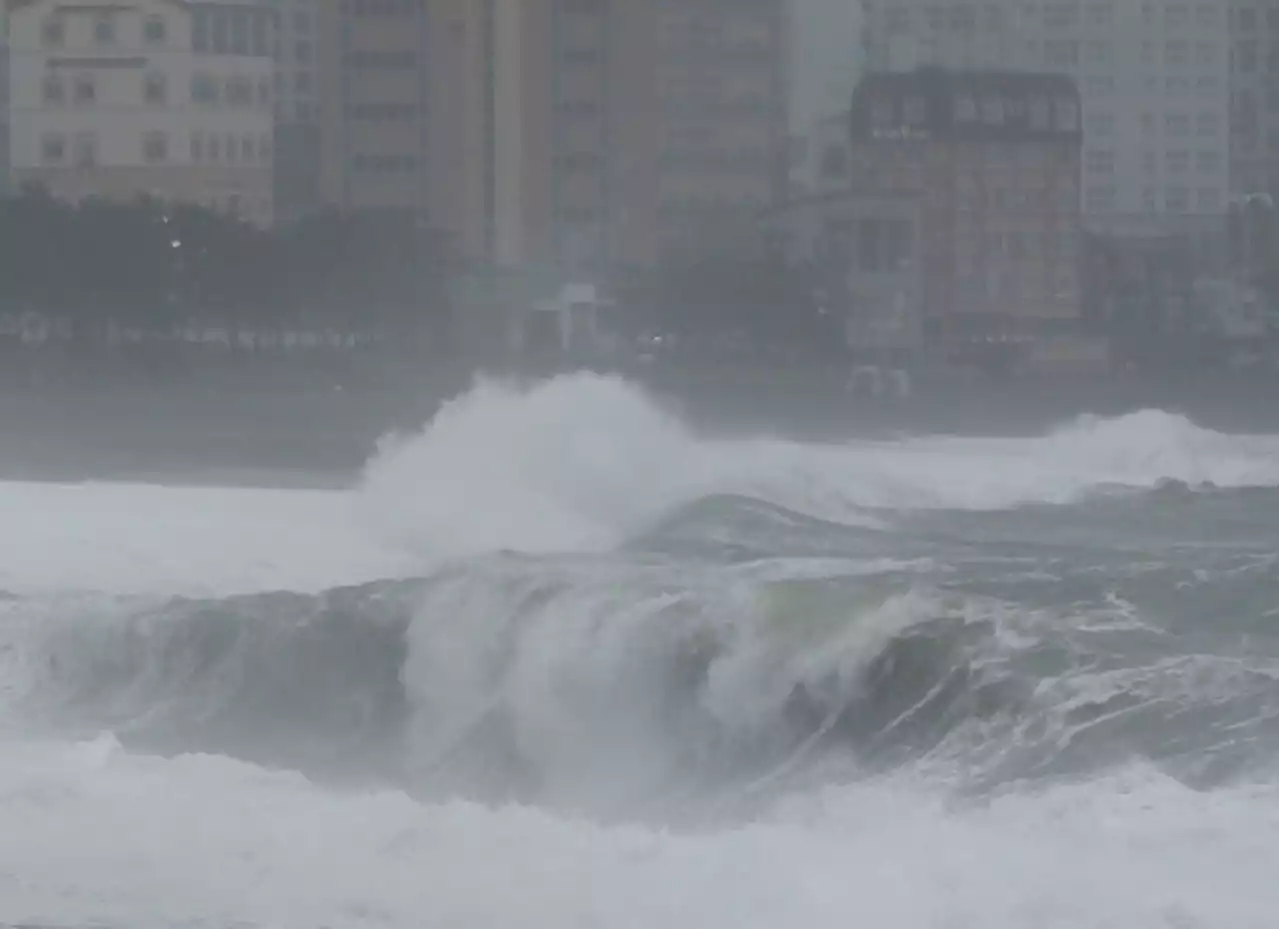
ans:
(558, 660)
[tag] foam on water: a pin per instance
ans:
(91, 834)
(94, 836)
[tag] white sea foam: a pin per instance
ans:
(580, 462)
(91, 835)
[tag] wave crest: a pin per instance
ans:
(583, 462)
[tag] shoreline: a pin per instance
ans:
(321, 438)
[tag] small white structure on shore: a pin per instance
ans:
(574, 314)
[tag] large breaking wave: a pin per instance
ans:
(611, 614)
(644, 687)
(582, 462)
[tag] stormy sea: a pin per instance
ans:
(557, 661)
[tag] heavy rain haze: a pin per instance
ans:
(638, 463)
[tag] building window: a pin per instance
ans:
(1177, 125)
(239, 92)
(204, 89)
(1207, 200)
(302, 82)
(1100, 161)
(966, 108)
(53, 148)
(1177, 200)
(1098, 52)
(212, 147)
(264, 93)
(1208, 161)
(835, 162)
(54, 91)
(201, 30)
(154, 89)
(241, 43)
(263, 42)
(53, 32)
(155, 147)
(1040, 113)
(1177, 17)
(85, 150)
(197, 146)
(221, 31)
(104, 29)
(1101, 124)
(1100, 198)
(302, 51)
(1176, 53)
(1061, 53)
(1177, 162)
(85, 90)
(155, 31)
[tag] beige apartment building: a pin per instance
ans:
(150, 97)
(566, 133)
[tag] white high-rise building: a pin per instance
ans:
(168, 100)
(1153, 78)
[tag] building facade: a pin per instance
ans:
(577, 134)
(864, 247)
(617, 133)
(1253, 97)
(996, 160)
(373, 98)
(722, 74)
(297, 110)
(1153, 78)
(159, 98)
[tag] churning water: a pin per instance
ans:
(557, 662)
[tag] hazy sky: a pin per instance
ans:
(825, 58)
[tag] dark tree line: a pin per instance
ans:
(154, 268)
(739, 301)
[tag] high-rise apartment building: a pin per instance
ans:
(375, 71)
(722, 73)
(566, 133)
(995, 159)
(297, 162)
(623, 131)
(1253, 96)
(4, 98)
(170, 100)
(1153, 77)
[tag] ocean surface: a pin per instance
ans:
(556, 661)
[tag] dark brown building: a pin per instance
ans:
(995, 159)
